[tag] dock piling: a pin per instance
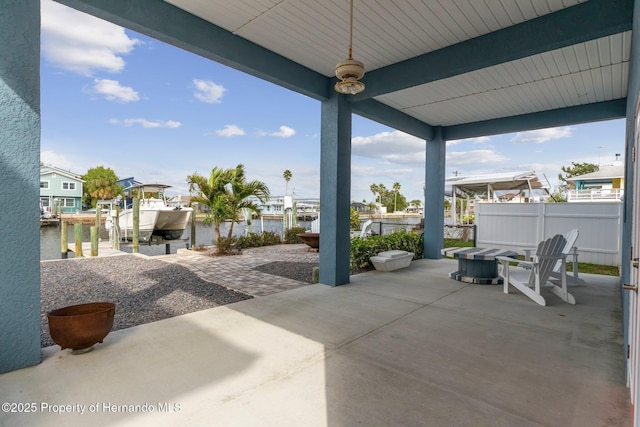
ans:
(94, 240)
(64, 240)
(136, 225)
(77, 230)
(193, 229)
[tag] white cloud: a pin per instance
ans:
(282, 132)
(458, 158)
(149, 124)
(395, 147)
(51, 158)
(209, 92)
(541, 135)
(230, 130)
(478, 140)
(82, 43)
(113, 91)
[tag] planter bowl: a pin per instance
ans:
(310, 239)
(79, 327)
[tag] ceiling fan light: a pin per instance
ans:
(350, 68)
(349, 72)
(349, 86)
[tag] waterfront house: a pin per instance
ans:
(359, 207)
(60, 190)
(277, 205)
(604, 185)
(128, 182)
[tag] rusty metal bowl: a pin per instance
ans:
(79, 327)
(310, 239)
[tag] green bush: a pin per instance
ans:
(250, 240)
(224, 245)
(363, 249)
(270, 238)
(290, 236)
(253, 240)
(354, 219)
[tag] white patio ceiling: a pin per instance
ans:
(315, 35)
(473, 67)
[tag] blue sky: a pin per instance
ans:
(115, 98)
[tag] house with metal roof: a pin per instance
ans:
(604, 185)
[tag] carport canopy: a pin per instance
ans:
(478, 184)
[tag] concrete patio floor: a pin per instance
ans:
(407, 348)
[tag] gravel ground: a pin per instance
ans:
(300, 271)
(144, 290)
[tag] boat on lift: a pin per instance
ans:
(157, 218)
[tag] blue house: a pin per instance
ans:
(60, 190)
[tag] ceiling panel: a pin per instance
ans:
(315, 34)
(576, 75)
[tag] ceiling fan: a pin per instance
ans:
(350, 70)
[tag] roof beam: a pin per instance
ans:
(381, 113)
(608, 110)
(577, 24)
(165, 22)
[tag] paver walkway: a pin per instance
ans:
(237, 271)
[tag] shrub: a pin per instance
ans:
(290, 236)
(253, 240)
(226, 245)
(354, 219)
(363, 249)
(270, 238)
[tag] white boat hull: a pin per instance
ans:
(148, 218)
(171, 222)
(156, 218)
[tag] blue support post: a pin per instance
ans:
(335, 190)
(434, 196)
(628, 251)
(20, 188)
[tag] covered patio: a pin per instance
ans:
(421, 346)
(410, 347)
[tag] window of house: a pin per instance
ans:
(68, 202)
(68, 185)
(44, 185)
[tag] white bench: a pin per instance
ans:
(391, 260)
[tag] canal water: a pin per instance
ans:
(50, 235)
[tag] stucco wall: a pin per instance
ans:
(19, 184)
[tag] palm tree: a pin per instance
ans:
(382, 190)
(241, 191)
(396, 190)
(226, 193)
(287, 176)
(374, 189)
(212, 192)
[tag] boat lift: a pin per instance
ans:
(117, 240)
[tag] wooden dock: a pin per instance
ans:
(104, 249)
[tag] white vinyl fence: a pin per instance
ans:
(519, 226)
